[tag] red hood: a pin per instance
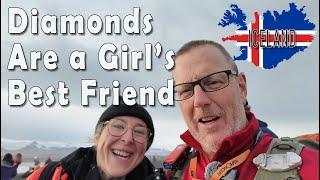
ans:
(232, 145)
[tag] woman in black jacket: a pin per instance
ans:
(123, 134)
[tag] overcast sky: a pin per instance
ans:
(286, 97)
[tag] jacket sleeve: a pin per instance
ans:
(14, 170)
(310, 164)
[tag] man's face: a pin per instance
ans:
(210, 116)
(118, 156)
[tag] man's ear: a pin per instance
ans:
(243, 86)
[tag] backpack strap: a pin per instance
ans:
(284, 145)
(177, 161)
(48, 171)
(309, 143)
(178, 172)
(276, 147)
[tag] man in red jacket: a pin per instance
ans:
(227, 140)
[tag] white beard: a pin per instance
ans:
(210, 143)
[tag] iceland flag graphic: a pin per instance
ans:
(272, 37)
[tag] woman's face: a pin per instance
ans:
(121, 145)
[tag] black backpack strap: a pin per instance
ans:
(48, 171)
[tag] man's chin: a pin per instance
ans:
(210, 143)
(210, 146)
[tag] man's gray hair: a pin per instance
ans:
(197, 43)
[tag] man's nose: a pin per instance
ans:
(127, 137)
(201, 98)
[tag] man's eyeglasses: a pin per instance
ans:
(118, 128)
(209, 83)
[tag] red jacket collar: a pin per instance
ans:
(231, 145)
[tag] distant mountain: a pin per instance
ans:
(157, 152)
(41, 151)
(32, 146)
(30, 149)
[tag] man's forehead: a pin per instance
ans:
(204, 49)
(202, 54)
(199, 60)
